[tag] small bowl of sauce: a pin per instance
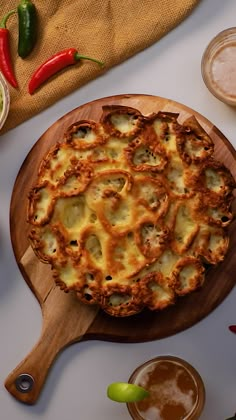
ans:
(176, 390)
(4, 100)
(218, 66)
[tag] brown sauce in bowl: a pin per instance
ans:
(176, 390)
(219, 66)
(223, 70)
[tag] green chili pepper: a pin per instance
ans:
(27, 17)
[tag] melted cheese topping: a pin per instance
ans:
(116, 211)
(176, 179)
(87, 134)
(70, 211)
(50, 242)
(124, 123)
(166, 135)
(187, 273)
(143, 155)
(213, 180)
(185, 228)
(68, 274)
(117, 300)
(42, 205)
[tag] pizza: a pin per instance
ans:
(131, 209)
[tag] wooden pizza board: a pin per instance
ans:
(65, 319)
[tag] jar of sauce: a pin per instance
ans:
(4, 100)
(176, 390)
(219, 66)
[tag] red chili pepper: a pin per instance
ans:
(5, 58)
(54, 64)
(232, 328)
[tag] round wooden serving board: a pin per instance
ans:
(65, 319)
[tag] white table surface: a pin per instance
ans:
(76, 385)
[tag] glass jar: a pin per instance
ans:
(176, 390)
(218, 66)
(4, 100)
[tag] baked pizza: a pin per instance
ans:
(129, 210)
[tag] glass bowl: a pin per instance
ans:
(176, 390)
(4, 100)
(218, 66)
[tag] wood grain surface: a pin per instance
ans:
(65, 319)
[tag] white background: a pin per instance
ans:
(76, 386)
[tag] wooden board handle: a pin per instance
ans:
(27, 379)
(59, 330)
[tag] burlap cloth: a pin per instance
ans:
(109, 30)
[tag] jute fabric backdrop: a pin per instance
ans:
(109, 30)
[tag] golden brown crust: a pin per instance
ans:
(214, 214)
(178, 175)
(153, 239)
(156, 291)
(188, 275)
(151, 199)
(75, 180)
(145, 154)
(89, 291)
(85, 134)
(39, 215)
(215, 181)
(111, 113)
(212, 245)
(128, 209)
(185, 226)
(195, 145)
(121, 300)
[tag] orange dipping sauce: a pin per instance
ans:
(219, 66)
(176, 390)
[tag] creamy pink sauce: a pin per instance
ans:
(223, 70)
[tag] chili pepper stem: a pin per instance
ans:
(56, 63)
(84, 57)
(4, 20)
